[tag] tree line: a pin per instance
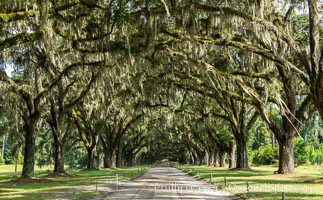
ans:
(145, 80)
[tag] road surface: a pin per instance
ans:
(167, 183)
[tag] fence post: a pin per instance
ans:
(225, 181)
(74, 194)
(247, 188)
(96, 186)
(117, 176)
(211, 178)
(283, 195)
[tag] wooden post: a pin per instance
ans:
(117, 181)
(211, 178)
(74, 194)
(96, 186)
(225, 181)
(283, 195)
(247, 189)
(3, 146)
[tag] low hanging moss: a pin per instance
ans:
(19, 39)
(8, 17)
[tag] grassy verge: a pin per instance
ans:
(84, 184)
(262, 183)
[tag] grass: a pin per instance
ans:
(7, 172)
(87, 195)
(83, 186)
(262, 182)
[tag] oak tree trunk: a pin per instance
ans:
(286, 156)
(216, 159)
(108, 154)
(91, 157)
(232, 155)
(130, 160)
(29, 154)
(222, 159)
(207, 158)
(242, 153)
(59, 157)
(212, 159)
(119, 157)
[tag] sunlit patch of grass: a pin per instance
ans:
(7, 172)
(261, 182)
(87, 195)
(9, 168)
(63, 187)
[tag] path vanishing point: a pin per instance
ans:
(165, 182)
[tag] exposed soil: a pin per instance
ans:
(241, 169)
(27, 180)
(315, 181)
(60, 175)
(290, 175)
(167, 183)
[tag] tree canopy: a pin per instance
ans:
(123, 82)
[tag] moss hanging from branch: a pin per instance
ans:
(20, 39)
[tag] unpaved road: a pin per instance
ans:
(167, 183)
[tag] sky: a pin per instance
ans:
(9, 70)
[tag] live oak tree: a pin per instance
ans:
(43, 62)
(28, 86)
(243, 58)
(87, 129)
(134, 142)
(243, 29)
(288, 57)
(211, 81)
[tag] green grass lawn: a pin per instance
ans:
(263, 183)
(83, 186)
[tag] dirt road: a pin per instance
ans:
(167, 183)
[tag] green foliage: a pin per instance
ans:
(300, 152)
(260, 135)
(311, 154)
(300, 26)
(261, 177)
(76, 158)
(1, 160)
(84, 183)
(315, 156)
(45, 148)
(305, 152)
(88, 195)
(20, 158)
(312, 131)
(265, 155)
(319, 154)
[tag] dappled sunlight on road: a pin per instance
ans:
(168, 183)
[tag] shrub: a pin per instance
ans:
(1, 160)
(319, 155)
(265, 155)
(20, 158)
(315, 156)
(311, 154)
(300, 152)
